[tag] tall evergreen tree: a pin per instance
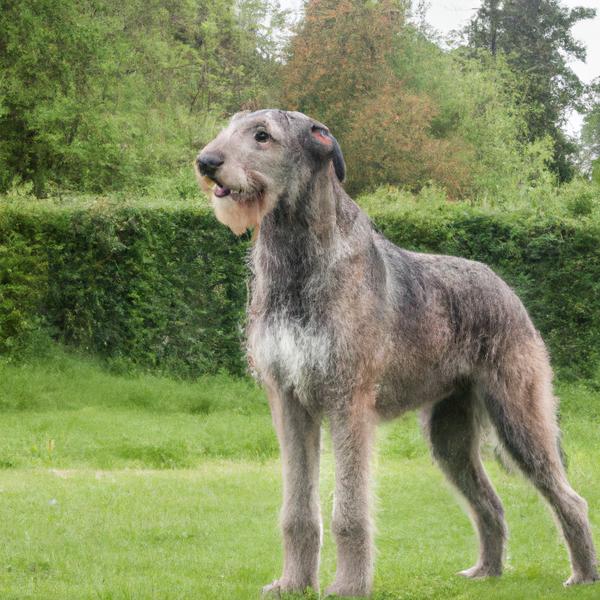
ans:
(537, 40)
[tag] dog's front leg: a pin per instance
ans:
(299, 438)
(352, 432)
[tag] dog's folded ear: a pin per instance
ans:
(327, 147)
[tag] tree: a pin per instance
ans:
(536, 39)
(105, 94)
(340, 71)
(477, 112)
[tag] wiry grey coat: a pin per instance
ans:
(345, 325)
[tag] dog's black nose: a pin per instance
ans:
(209, 162)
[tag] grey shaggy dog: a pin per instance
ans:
(345, 326)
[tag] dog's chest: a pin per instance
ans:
(294, 355)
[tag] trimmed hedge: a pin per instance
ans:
(161, 287)
(164, 286)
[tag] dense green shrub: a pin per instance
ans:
(162, 285)
(159, 286)
(22, 282)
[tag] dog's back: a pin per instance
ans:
(454, 320)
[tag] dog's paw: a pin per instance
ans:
(272, 590)
(577, 579)
(280, 586)
(480, 572)
(347, 590)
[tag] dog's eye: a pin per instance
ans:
(261, 136)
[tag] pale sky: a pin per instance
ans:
(447, 15)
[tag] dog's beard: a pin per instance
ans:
(239, 209)
(240, 215)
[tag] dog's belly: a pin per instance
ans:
(295, 356)
(397, 395)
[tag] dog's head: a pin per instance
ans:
(259, 158)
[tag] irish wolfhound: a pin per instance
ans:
(344, 325)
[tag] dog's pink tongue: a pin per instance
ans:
(221, 192)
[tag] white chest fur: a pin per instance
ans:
(292, 353)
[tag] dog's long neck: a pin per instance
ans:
(297, 242)
(301, 228)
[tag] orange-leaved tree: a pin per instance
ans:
(339, 72)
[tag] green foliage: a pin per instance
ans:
(340, 72)
(23, 267)
(590, 133)
(104, 95)
(411, 113)
(99, 96)
(162, 285)
(537, 41)
(580, 198)
(596, 171)
(477, 112)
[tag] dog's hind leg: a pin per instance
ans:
(522, 409)
(352, 430)
(299, 438)
(453, 431)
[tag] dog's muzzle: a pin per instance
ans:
(208, 164)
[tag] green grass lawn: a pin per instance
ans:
(121, 487)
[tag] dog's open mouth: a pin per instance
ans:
(214, 187)
(222, 191)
